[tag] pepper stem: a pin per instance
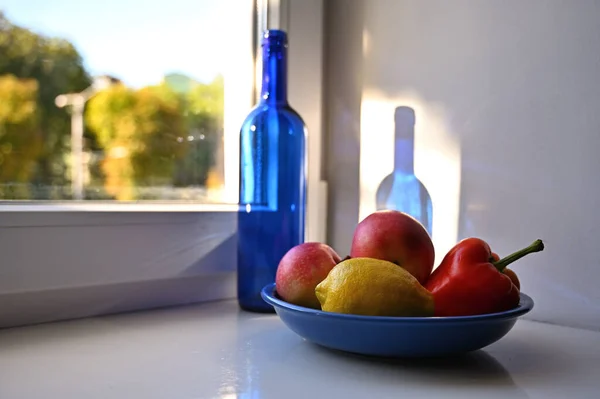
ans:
(536, 246)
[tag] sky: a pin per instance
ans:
(139, 41)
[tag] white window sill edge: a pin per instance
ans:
(35, 307)
(143, 206)
(64, 265)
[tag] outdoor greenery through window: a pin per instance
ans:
(114, 100)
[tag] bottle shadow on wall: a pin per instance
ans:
(401, 190)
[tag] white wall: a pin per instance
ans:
(343, 79)
(507, 101)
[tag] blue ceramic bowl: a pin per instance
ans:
(396, 336)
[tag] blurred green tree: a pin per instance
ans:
(203, 109)
(20, 138)
(139, 130)
(165, 135)
(58, 68)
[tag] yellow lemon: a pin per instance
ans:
(373, 287)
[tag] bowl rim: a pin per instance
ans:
(525, 305)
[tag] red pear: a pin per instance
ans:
(301, 269)
(398, 238)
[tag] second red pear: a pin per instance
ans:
(398, 238)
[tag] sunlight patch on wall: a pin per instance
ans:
(437, 159)
(366, 43)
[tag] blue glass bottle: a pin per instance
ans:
(272, 179)
(401, 190)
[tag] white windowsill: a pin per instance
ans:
(214, 350)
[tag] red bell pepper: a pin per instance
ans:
(470, 280)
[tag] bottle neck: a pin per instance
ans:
(274, 81)
(404, 155)
(404, 133)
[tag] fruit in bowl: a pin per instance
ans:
(373, 287)
(396, 237)
(381, 299)
(301, 269)
(390, 273)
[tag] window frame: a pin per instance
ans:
(42, 275)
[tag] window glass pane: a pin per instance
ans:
(118, 99)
